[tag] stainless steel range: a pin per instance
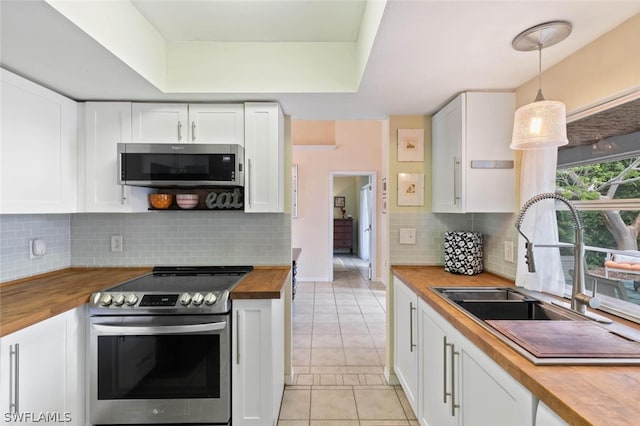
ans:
(160, 348)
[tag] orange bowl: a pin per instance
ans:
(160, 201)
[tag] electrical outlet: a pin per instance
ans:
(37, 248)
(116, 243)
(508, 251)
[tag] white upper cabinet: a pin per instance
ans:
(223, 124)
(264, 158)
(473, 166)
(182, 123)
(38, 149)
(106, 125)
(159, 123)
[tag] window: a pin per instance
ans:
(602, 179)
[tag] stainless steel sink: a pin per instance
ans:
(493, 307)
(480, 293)
(505, 303)
(530, 310)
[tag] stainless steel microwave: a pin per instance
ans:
(180, 165)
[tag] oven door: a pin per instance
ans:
(159, 369)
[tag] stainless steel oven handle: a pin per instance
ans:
(160, 329)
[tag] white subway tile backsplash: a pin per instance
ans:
(430, 229)
(186, 238)
(154, 238)
(15, 233)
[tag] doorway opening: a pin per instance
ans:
(353, 221)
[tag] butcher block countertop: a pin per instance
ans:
(581, 395)
(27, 301)
(263, 283)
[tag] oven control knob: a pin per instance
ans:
(197, 299)
(106, 300)
(131, 299)
(118, 300)
(210, 299)
(185, 299)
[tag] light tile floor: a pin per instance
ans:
(339, 340)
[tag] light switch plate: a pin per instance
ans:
(407, 235)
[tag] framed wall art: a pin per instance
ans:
(410, 144)
(338, 201)
(410, 189)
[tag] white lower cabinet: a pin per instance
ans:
(257, 361)
(42, 370)
(545, 416)
(459, 384)
(405, 340)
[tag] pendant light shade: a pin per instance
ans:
(542, 123)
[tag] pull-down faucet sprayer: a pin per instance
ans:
(579, 300)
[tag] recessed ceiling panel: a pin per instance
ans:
(255, 21)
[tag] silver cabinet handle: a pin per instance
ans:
(193, 131)
(238, 337)
(454, 405)
(444, 369)
(411, 309)
(248, 182)
(163, 329)
(14, 378)
(179, 131)
(456, 165)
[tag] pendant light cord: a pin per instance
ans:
(539, 96)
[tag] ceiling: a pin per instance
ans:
(424, 52)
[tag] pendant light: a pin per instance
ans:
(542, 123)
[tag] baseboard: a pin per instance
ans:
(290, 379)
(392, 379)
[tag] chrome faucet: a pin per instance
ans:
(579, 300)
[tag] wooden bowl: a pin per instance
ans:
(160, 201)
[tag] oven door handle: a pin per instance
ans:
(159, 329)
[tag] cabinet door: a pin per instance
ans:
(406, 340)
(107, 124)
(44, 362)
(448, 158)
(264, 158)
(435, 368)
(461, 385)
(223, 124)
(38, 149)
(489, 126)
(486, 389)
(159, 123)
(547, 417)
(257, 357)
